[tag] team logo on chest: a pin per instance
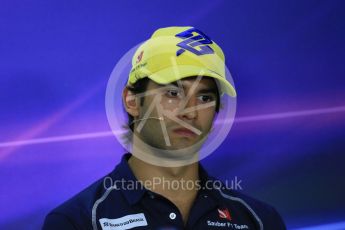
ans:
(125, 222)
(224, 220)
(224, 214)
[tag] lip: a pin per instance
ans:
(184, 132)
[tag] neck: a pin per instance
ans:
(162, 170)
(160, 176)
(160, 165)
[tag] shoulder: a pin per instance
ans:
(263, 212)
(265, 215)
(76, 213)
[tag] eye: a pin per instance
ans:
(173, 93)
(206, 98)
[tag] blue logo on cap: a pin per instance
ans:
(191, 42)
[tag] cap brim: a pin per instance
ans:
(172, 74)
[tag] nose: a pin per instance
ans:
(191, 113)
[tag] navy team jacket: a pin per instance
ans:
(104, 206)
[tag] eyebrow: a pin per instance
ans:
(205, 90)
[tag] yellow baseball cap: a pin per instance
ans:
(174, 53)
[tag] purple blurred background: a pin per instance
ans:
(287, 60)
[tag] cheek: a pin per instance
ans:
(170, 105)
(148, 103)
(206, 117)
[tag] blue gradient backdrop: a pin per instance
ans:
(287, 59)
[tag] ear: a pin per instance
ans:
(130, 102)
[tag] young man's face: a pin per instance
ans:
(188, 108)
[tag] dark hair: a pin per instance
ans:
(141, 85)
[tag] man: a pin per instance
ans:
(172, 99)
